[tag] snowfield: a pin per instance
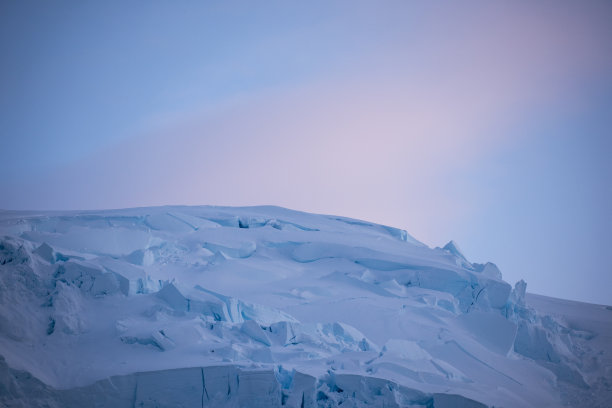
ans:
(268, 307)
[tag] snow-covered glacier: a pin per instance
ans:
(268, 307)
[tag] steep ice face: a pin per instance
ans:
(263, 306)
(452, 248)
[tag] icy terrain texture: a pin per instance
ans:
(267, 307)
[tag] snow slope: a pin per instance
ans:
(264, 306)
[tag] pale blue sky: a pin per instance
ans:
(483, 122)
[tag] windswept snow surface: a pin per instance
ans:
(268, 307)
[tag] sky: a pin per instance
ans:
(489, 123)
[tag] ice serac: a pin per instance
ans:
(488, 269)
(45, 252)
(269, 307)
(454, 250)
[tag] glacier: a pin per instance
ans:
(208, 306)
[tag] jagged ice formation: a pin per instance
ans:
(268, 307)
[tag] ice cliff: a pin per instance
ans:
(268, 307)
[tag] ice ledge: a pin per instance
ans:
(222, 386)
